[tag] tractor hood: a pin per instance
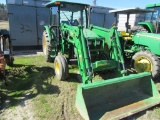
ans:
(90, 34)
(149, 36)
(149, 40)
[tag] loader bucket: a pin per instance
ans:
(116, 98)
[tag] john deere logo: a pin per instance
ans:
(99, 65)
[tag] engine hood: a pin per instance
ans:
(90, 34)
(149, 35)
(150, 41)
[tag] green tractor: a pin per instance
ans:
(69, 36)
(141, 46)
(151, 23)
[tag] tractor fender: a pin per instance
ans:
(149, 26)
(47, 29)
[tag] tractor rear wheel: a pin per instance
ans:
(61, 67)
(145, 61)
(46, 47)
(139, 28)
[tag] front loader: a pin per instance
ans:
(96, 49)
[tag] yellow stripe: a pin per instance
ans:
(149, 36)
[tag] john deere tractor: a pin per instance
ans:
(96, 49)
(141, 46)
(152, 20)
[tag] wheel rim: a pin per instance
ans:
(142, 64)
(57, 68)
(44, 45)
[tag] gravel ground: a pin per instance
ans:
(27, 53)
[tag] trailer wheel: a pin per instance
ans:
(145, 61)
(46, 47)
(139, 28)
(61, 67)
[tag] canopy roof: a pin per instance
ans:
(131, 11)
(153, 5)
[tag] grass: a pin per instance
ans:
(50, 99)
(33, 79)
(23, 75)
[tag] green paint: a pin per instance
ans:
(149, 40)
(104, 65)
(128, 95)
(148, 25)
(153, 5)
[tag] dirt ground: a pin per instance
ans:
(4, 25)
(21, 112)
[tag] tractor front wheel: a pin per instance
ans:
(145, 61)
(61, 67)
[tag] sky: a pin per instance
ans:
(115, 3)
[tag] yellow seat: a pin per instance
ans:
(124, 34)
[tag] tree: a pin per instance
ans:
(3, 12)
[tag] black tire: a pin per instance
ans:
(139, 28)
(46, 47)
(61, 67)
(65, 64)
(148, 62)
(9, 60)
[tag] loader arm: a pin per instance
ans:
(113, 43)
(74, 35)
